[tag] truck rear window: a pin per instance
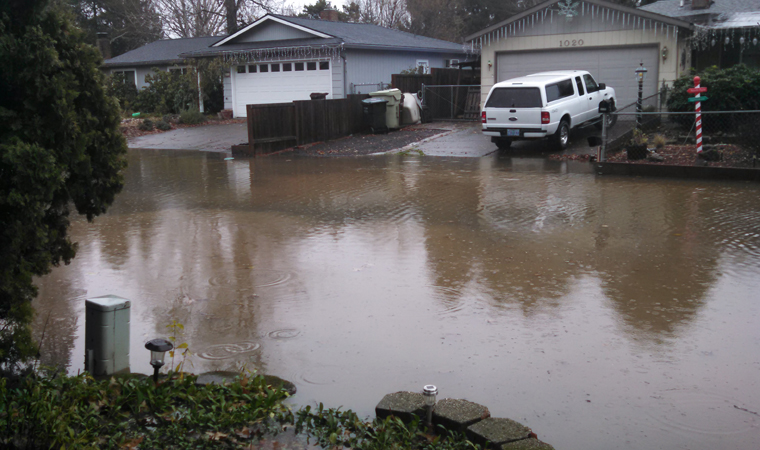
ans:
(515, 97)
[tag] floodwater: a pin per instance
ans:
(602, 312)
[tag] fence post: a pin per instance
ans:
(603, 150)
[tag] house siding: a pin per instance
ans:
(546, 30)
(227, 84)
(372, 66)
(272, 31)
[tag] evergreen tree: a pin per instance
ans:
(59, 146)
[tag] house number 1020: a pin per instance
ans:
(569, 43)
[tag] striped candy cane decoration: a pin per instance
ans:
(698, 107)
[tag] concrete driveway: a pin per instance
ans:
(466, 139)
(209, 138)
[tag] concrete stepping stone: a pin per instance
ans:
(402, 405)
(223, 377)
(494, 432)
(527, 444)
(457, 415)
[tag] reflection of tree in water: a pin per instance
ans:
(59, 297)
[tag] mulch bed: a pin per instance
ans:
(366, 144)
(686, 155)
(129, 127)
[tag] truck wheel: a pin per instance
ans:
(562, 136)
(503, 144)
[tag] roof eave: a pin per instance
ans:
(403, 49)
(624, 9)
(275, 19)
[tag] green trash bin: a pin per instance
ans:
(375, 114)
(393, 108)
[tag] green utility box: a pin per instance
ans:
(393, 107)
(106, 335)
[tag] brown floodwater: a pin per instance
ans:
(602, 312)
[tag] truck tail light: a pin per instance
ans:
(545, 117)
(483, 117)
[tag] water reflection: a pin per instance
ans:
(553, 296)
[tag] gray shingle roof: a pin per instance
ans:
(365, 35)
(165, 51)
(672, 8)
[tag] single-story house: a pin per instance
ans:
(608, 40)
(280, 59)
(162, 55)
(726, 32)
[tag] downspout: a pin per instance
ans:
(345, 72)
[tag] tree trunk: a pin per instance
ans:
(232, 9)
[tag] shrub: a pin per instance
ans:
(125, 92)
(168, 92)
(146, 125)
(731, 89)
(163, 125)
(659, 141)
(191, 117)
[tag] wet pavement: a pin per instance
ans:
(601, 312)
(463, 139)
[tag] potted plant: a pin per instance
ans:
(637, 147)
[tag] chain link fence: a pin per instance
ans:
(730, 138)
(451, 102)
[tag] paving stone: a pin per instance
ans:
(223, 377)
(457, 415)
(402, 405)
(527, 444)
(496, 431)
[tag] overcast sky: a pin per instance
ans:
(299, 4)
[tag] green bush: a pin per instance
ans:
(168, 92)
(191, 117)
(163, 125)
(80, 412)
(125, 92)
(146, 125)
(731, 89)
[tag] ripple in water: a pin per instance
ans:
(226, 351)
(284, 334)
(262, 278)
(703, 412)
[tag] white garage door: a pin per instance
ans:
(279, 82)
(613, 66)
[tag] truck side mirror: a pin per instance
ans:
(602, 86)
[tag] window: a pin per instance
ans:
(263, 68)
(590, 83)
(324, 65)
(527, 97)
(240, 69)
(178, 70)
(275, 67)
(580, 86)
(299, 67)
(129, 76)
(311, 66)
(559, 90)
(252, 68)
(452, 63)
(425, 64)
(287, 67)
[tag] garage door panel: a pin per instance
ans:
(613, 66)
(279, 87)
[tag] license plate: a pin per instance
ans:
(513, 132)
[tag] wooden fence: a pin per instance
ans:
(278, 126)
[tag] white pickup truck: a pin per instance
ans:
(546, 104)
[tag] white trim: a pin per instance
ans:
(276, 19)
(233, 75)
